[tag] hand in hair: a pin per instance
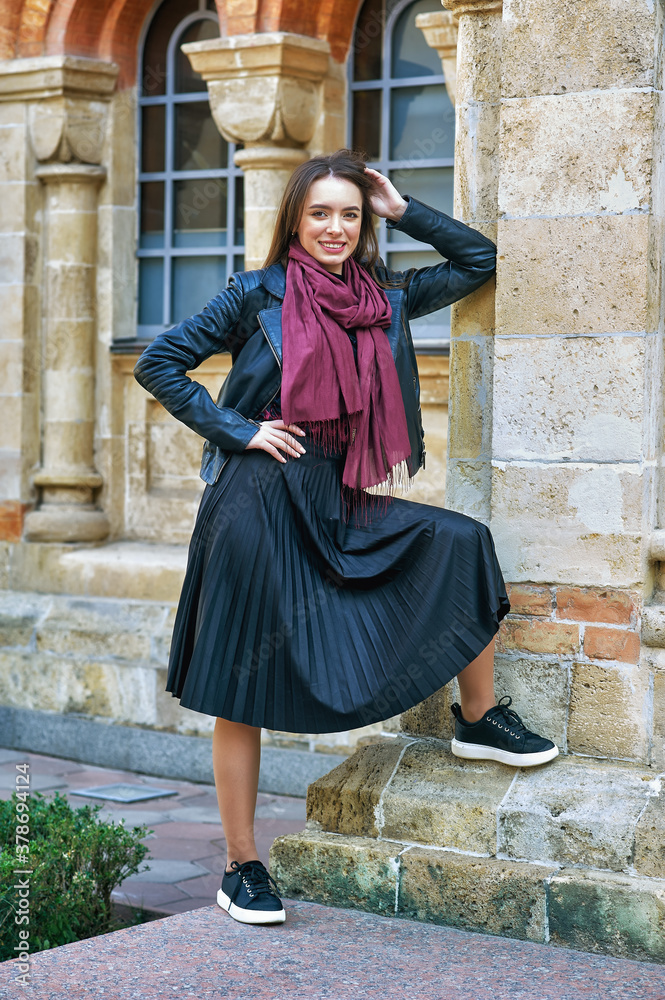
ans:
(274, 434)
(385, 199)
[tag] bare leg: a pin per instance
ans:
(476, 685)
(236, 754)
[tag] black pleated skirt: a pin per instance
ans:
(294, 617)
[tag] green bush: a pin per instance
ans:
(76, 860)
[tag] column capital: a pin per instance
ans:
(440, 30)
(264, 87)
(459, 7)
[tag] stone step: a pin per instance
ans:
(606, 912)
(125, 569)
(575, 811)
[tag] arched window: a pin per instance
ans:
(190, 193)
(402, 117)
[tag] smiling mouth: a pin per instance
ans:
(332, 246)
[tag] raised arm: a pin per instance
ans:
(470, 258)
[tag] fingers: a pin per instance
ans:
(275, 435)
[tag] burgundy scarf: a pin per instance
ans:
(360, 409)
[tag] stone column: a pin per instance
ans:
(440, 30)
(67, 125)
(265, 92)
(67, 478)
(468, 477)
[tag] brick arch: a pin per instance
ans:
(110, 29)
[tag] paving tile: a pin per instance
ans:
(7, 756)
(192, 814)
(197, 831)
(151, 895)
(163, 846)
(182, 905)
(205, 885)
(282, 808)
(168, 871)
(38, 782)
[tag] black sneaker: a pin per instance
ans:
(500, 735)
(247, 894)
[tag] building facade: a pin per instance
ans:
(145, 148)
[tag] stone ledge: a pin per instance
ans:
(125, 569)
(166, 755)
(602, 912)
(417, 793)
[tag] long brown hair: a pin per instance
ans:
(345, 163)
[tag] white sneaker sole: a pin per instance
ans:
(249, 916)
(475, 751)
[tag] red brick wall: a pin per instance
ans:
(590, 622)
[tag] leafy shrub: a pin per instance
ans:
(76, 861)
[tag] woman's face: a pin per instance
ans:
(330, 224)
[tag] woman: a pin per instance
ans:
(315, 600)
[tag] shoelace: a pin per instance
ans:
(510, 716)
(255, 877)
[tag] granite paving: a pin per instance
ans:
(192, 949)
(322, 954)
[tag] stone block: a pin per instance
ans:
(468, 487)
(596, 604)
(575, 154)
(607, 913)
(437, 799)
(10, 421)
(487, 895)
(100, 628)
(478, 80)
(608, 711)
(13, 253)
(538, 636)
(12, 206)
(431, 717)
(563, 523)
(658, 735)
(11, 307)
(338, 871)
(553, 48)
(611, 644)
(569, 398)
(470, 367)
(13, 153)
(19, 615)
(650, 833)
(573, 812)
(346, 799)
(574, 275)
(526, 599)
(539, 687)
(477, 161)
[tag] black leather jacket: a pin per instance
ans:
(246, 319)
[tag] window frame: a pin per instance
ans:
(386, 165)
(169, 176)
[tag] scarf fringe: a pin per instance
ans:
(398, 478)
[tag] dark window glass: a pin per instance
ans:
(411, 55)
(153, 124)
(367, 122)
(162, 26)
(368, 41)
(152, 215)
(197, 143)
(186, 80)
(417, 116)
(151, 291)
(431, 185)
(199, 212)
(195, 280)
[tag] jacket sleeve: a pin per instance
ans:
(163, 366)
(470, 258)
